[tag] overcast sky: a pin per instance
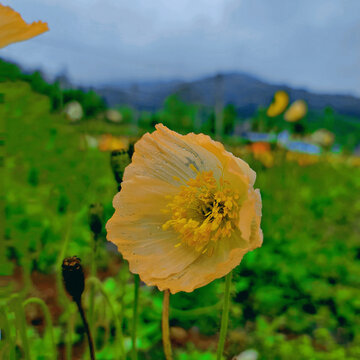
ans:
(309, 43)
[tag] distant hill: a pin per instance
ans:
(246, 92)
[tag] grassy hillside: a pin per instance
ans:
(296, 298)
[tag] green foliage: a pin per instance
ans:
(177, 115)
(229, 119)
(38, 199)
(90, 101)
(295, 298)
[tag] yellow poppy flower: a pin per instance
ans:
(187, 212)
(296, 111)
(279, 104)
(13, 28)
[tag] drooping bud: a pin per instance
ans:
(73, 277)
(119, 160)
(131, 149)
(96, 214)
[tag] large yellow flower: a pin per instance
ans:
(13, 28)
(187, 212)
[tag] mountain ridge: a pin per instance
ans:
(245, 91)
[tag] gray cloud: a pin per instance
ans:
(313, 44)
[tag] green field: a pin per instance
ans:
(297, 297)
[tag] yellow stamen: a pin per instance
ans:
(204, 210)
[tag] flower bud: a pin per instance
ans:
(131, 149)
(73, 277)
(119, 160)
(96, 213)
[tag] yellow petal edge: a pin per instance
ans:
(14, 29)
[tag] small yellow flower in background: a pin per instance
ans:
(13, 28)
(296, 111)
(108, 142)
(187, 212)
(279, 104)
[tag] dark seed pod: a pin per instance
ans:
(96, 214)
(73, 276)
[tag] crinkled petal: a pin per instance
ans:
(205, 268)
(234, 164)
(165, 155)
(136, 230)
(13, 28)
(250, 215)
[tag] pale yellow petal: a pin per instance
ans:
(250, 217)
(136, 229)
(229, 161)
(206, 268)
(256, 238)
(13, 28)
(227, 254)
(166, 155)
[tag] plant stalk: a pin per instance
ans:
(224, 317)
(165, 326)
(119, 335)
(47, 317)
(87, 329)
(135, 317)
(93, 271)
(21, 325)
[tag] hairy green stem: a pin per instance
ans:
(21, 325)
(48, 320)
(27, 264)
(59, 280)
(123, 281)
(93, 271)
(119, 335)
(194, 313)
(7, 336)
(224, 317)
(135, 317)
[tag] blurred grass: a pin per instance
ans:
(297, 297)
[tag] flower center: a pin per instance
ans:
(204, 211)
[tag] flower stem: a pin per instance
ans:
(68, 341)
(123, 280)
(135, 317)
(47, 317)
(224, 317)
(165, 326)
(93, 271)
(87, 329)
(118, 325)
(21, 325)
(9, 339)
(59, 282)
